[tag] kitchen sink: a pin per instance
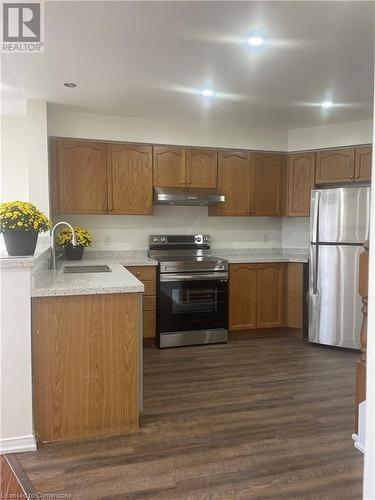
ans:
(86, 269)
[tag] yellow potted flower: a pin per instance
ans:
(64, 239)
(20, 223)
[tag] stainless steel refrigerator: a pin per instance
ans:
(339, 225)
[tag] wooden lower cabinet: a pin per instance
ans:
(256, 296)
(294, 295)
(270, 296)
(243, 284)
(147, 274)
(265, 296)
(85, 365)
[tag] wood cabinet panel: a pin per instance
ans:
(235, 182)
(169, 163)
(149, 324)
(149, 303)
(300, 182)
(147, 274)
(143, 273)
(201, 168)
(363, 162)
(243, 296)
(85, 365)
(294, 295)
(150, 288)
(334, 166)
(270, 306)
(82, 177)
(129, 179)
(268, 184)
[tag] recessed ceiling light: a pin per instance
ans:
(70, 85)
(255, 41)
(327, 104)
(207, 92)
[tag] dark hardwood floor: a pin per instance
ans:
(264, 417)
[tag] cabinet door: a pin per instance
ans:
(169, 166)
(334, 166)
(82, 177)
(129, 179)
(201, 168)
(300, 181)
(268, 184)
(270, 301)
(234, 182)
(242, 296)
(294, 295)
(363, 160)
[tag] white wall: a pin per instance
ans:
(343, 134)
(295, 232)
(16, 415)
(131, 232)
(37, 149)
(65, 123)
(14, 162)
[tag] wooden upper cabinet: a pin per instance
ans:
(169, 166)
(234, 181)
(201, 168)
(243, 296)
(268, 184)
(82, 177)
(335, 166)
(129, 179)
(363, 160)
(300, 181)
(270, 305)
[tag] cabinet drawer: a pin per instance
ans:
(149, 303)
(143, 273)
(149, 322)
(150, 287)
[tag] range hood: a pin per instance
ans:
(183, 196)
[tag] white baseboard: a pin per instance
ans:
(357, 444)
(17, 445)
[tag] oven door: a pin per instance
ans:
(196, 301)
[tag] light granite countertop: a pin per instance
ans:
(41, 252)
(255, 255)
(46, 282)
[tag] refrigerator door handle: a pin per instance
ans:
(315, 217)
(314, 270)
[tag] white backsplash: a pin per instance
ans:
(111, 232)
(296, 231)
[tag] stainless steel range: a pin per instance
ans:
(192, 291)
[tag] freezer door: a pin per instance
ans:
(335, 315)
(340, 215)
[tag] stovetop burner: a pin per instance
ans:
(185, 253)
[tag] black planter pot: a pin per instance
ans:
(73, 253)
(20, 242)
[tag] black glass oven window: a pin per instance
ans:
(191, 300)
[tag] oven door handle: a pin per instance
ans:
(193, 276)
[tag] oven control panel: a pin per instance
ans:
(179, 239)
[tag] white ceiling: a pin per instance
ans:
(151, 59)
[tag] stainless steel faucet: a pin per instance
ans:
(52, 264)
